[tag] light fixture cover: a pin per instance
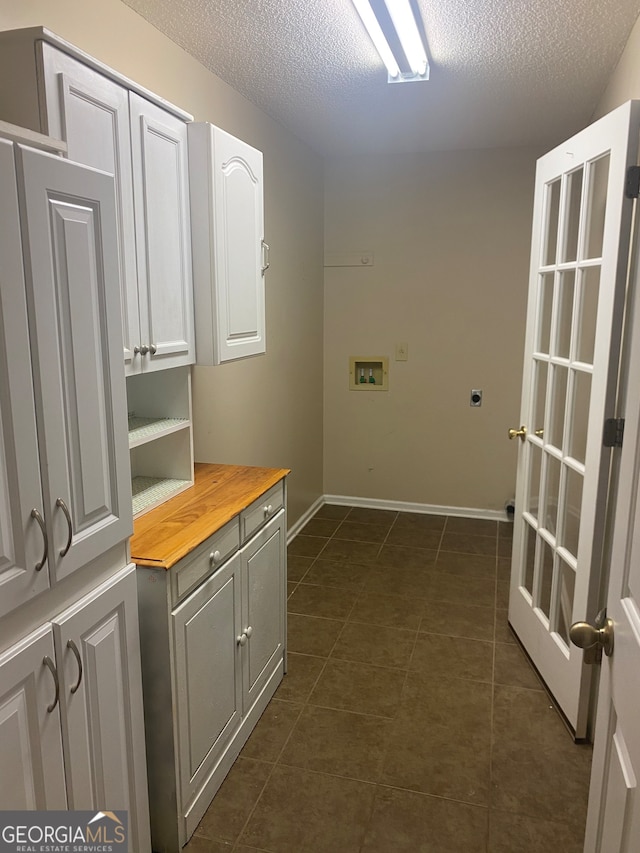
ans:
(404, 23)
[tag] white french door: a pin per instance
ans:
(613, 820)
(579, 259)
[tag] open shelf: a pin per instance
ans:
(142, 430)
(152, 491)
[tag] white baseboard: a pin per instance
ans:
(395, 506)
(300, 523)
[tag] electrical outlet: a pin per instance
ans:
(402, 352)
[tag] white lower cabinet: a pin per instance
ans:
(214, 655)
(71, 716)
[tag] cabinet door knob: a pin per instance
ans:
(153, 349)
(268, 510)
(242, 640)
(248, 631)
(214, 557)
(143, 349)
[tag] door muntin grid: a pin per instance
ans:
(562, 367)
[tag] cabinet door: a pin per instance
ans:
(91, 113)
(70, 246)
(228, 240)
(161, 186)
(208, 682)
(98, 651)
(263, 614)
(31, 757)
(23, 572)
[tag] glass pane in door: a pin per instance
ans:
(551, 494)
(545, 580)
(529, 557)
(541, 369)
(566, 590)
(572, 508)
(535, 462)
(551, 223)
(546, 305)
(598, 179)
(589, 292)
(565, 314)
(572, 216)
(558, 403)
(579, 415)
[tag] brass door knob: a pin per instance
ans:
(522, 433)
(587, 636)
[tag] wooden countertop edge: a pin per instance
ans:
(166, 534)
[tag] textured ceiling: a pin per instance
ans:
(503, 72)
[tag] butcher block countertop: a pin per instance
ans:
(169, 532)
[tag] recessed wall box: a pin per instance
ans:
(368, 373)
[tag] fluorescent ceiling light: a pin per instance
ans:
(407, 30)
(377, 36)
(403, 21)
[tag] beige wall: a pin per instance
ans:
(450, 234)
(624, 83)
(265, 410)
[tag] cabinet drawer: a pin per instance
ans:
(260, 511)
(205, 559)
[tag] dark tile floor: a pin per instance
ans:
(409, 720)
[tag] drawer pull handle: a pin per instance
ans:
(242, 639)
(248, 631)
(268, 510)
(215, 557)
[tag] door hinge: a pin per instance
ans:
(632, 182)
(613, 432)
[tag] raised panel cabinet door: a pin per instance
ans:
(208, 661)
(24, 571)
(161, 197)
(71, 259)
(263, 617)
(31, 757)
(91, 113)
(98, 653)
(228, 224)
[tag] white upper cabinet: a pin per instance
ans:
(230, 256)
(161, 196)
(145, 147)
(62, 372)
(113, 124)
(91, 113)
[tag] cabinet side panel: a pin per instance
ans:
(167, 834)
(202, 240)
(19, 102)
